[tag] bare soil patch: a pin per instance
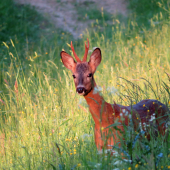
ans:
(63, 14)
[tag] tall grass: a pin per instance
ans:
(44, 124)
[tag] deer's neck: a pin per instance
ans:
(98, 107)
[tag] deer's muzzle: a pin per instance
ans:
(81, 90)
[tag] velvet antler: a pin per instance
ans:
(74, 53)
(86, 50)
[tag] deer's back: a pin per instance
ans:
(147, 108)
(150, 113)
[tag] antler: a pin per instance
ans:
(86, 50)
(74, 53)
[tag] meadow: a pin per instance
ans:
(44, 124)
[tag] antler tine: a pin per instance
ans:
(74, 53)
(86, 50)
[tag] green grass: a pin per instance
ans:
(42, 125)
(147, 11)
(87, 11)
(20, 23)
(32, 35)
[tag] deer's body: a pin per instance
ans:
(144, 114)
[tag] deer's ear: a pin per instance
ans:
(68, 61)
(95, 59)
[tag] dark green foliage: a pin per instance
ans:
(146, 9)
(17, 20)
(88, 11)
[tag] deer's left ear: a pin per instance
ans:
(95, 59)
(68, 61)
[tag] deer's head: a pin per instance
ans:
(83, 71)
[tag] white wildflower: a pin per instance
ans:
(81, 100)
(112, 90)
(117, 163)
(115, 153)
(152, 117)
(90, 51)
(144, 126)
(97, 165)
(140, 126)
(167, 124)
(100, 152)
(97, 89)
(126, 160)
(126, 113)
(147, 125)
(85, 136)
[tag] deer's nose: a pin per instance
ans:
(80, 89)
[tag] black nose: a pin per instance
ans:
(80, 89)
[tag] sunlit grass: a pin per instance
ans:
(44, 124)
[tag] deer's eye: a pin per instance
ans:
(89, 75)
(74, 76)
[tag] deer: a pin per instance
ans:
(146, 113)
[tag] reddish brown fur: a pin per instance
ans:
(145, 113)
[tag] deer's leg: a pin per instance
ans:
(98, 139)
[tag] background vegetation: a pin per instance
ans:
(44, 124)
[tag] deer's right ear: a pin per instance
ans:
(95, 59)
(68, 61)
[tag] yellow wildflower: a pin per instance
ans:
(79, 164)
(136, 166)
(102, 128)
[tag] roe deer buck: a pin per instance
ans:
(105, 114)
